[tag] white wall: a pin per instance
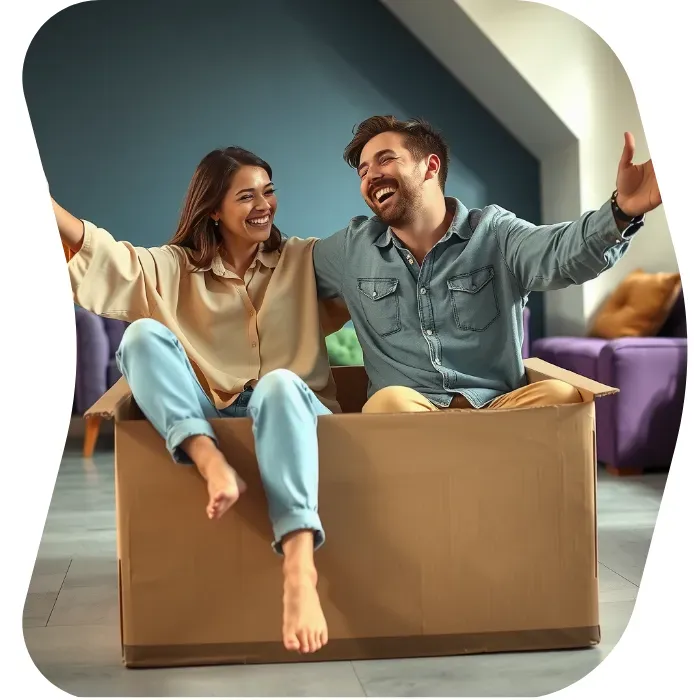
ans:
(580, 78)
(574, 74)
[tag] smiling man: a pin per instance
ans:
(436, 291)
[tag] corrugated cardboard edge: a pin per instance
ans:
(106, 406)
(538, 369)
(363, 649)
(120, 597)
(595, 499)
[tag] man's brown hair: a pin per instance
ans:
(420, 138)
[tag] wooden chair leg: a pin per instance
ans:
(92, 431)
(623, 471)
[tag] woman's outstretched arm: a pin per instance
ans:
(70, 228)
(115, 278)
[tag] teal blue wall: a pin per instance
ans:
(125, 98)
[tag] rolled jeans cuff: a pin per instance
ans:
(184, 429)
(295, 521)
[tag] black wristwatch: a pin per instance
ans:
(619, 214)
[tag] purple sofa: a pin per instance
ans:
(97, 341)
(637, 429)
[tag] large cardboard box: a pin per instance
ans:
(448, 533)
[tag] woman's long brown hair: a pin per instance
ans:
(196, 231)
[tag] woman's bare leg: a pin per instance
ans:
(223, 483)
(168, 393)
(304, 627)
(285, 417)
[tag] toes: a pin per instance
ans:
(291, 643)
(218, 505)
(306, 642)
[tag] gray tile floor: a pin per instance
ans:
(72, 630)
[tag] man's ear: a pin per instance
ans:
(433, 167)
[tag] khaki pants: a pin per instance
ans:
(400, 399)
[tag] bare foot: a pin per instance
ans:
(224, 485)
(304, 627)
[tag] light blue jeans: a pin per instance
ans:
(283, 409)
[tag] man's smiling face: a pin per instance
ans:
(391, 179)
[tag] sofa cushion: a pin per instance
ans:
(114, 330)
(113, 373)
(578, 355)
(344, 348)
(639, 306)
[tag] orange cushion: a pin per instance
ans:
(639, 306)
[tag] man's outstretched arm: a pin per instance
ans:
(543, 258)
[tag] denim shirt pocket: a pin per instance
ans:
(474, 299)
(380, 302)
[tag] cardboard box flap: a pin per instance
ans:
(538, 369)
(106, 406)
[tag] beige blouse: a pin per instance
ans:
(233, 330)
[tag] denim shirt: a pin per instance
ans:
(454, 324)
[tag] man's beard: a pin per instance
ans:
(401, 209)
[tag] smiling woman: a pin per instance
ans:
(230, 205)
(225, 321)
